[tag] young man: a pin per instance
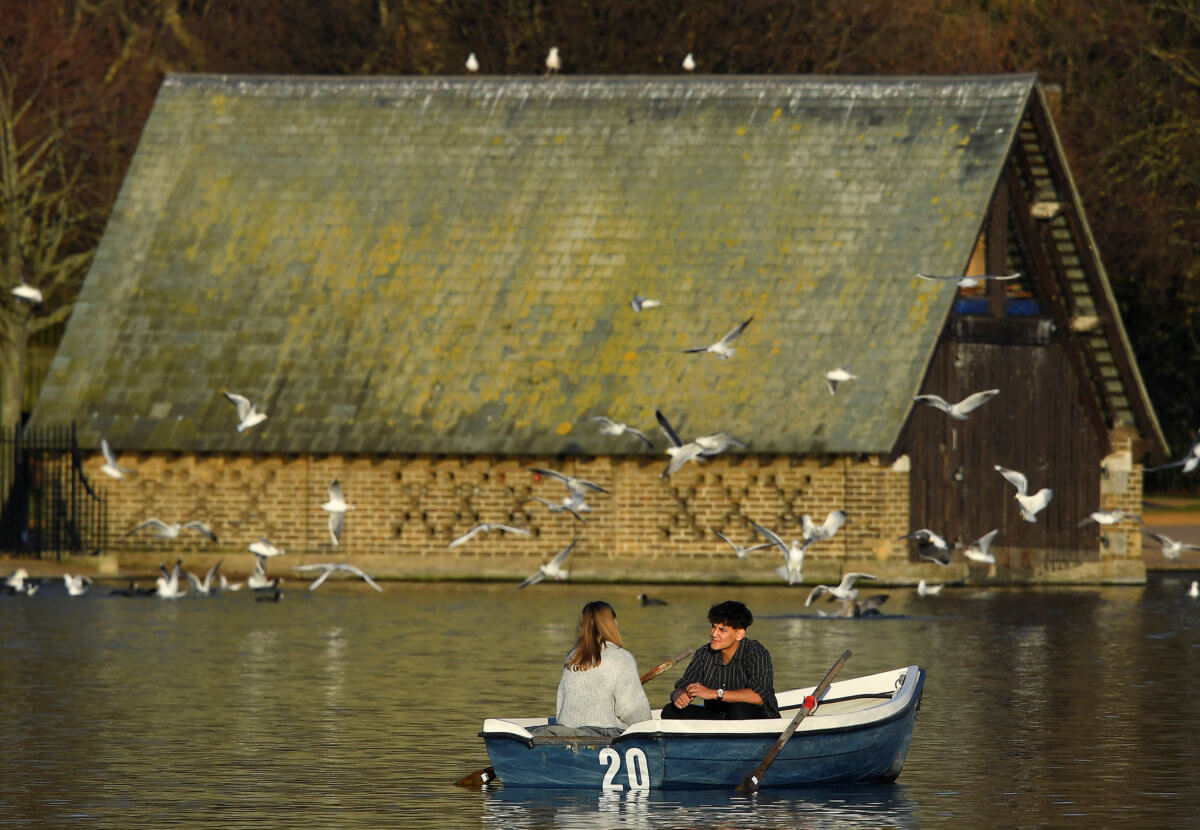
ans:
(731, 675)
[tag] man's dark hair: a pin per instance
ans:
(732, 613)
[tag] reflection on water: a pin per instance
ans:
(350, 708)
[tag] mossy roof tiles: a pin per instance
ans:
(445, 265)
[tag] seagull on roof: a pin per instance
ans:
(1189, 462)
(472, 63)
(204, 587)
(722, 348)
(826, 530)
(575, 486)
(333, 567)
(553, 61)
(924, 589)
(76, 586)
(167, 585)
(1170, 547)
(247, 413)
(971, 281)
(741, 551)
(1108, 517)
(162, 530)
(689, 63)
(844, 590)
(930, 546)
(610, 427)
(835, 376)
(337, 508)
(960, 410)
(264, 548)
(572, 504)
(27, 292)
(487, 527)
(553, 569)
(793, 555)
(111, 467)
(1030, 505)
(639, 302)
(680, 452)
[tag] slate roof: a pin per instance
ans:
(445, 265)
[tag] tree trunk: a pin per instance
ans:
(14, 348)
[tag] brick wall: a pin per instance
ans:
(1121, 489)
(407, 509)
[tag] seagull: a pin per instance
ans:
(1194, 591)
(162, 530)
(738, 550)
(258, 579)
(331, 567)
(792, 554)
(15, 582)
(680, 452)
(610, 427)
(1170, 548)
(337, 508)
(639, 302)
(264, 548)
(718, 443)
(572, 504)
(553, 61)
(930, 546)
(487, 527)
(111, 467)
(1108, 517)
(77, 586)
(226, 585)
(553, 568)
(844, 590)
(689, 63)
(204, 587)
(168, 583)
(977, 551)
(645, 600)
(817, 533)
(722, 348)
(27, 292)
(851, 609)
(575, 486)
(248, 414)
(1189, 462)
(958, 411)
(924, 589)
(835, 376)
(971, 281)
(1030, 505)
(472, 63)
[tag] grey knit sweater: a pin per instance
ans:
(609, 694)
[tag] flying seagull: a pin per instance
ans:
(718, 443)
(610, 427)
(639, 302)
(553, 569)
(977, 551)
(1108, 517)
(971, 281)
(575, 486)
(111, 467)
(162, 530)
(337, 508)
(1030, 505)
(1170, 547)
(264, 548)
(689, 63)
(924, 589)
(487, 527)
(16, 581)
(332, 567)
(793, 555)
(680, 452)
(835, 376)
(167, 585)
(572, 504)
(722, 348)
(27, 292)
(553, 61)
(930, 546)
(740, 551)
(472, 63)
(960, 410)
(844, 590)
(258, 579)
(247, 413)
(1189, 462)
(77, 586)
(826, 530)
(204, 587)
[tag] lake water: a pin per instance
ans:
(347, 708)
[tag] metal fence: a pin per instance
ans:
(47, 505)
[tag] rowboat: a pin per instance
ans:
(859, 733)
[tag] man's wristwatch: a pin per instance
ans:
(720, 694)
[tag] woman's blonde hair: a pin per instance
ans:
(597, 626)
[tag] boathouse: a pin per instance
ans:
(426, 284)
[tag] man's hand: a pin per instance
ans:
(701, 691)
(681, 698)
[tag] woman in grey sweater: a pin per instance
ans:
(600, 692)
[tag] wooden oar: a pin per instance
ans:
(480, 777)
(751, 782)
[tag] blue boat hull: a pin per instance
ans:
(873, 752)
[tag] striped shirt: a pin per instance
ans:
(750, 668)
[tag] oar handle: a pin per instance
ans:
(751, 782)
